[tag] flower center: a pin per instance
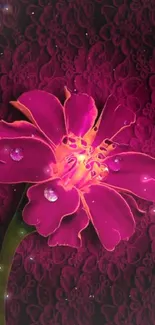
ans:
(78, 164)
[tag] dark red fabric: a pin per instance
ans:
(98, 47)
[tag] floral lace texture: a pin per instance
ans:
(98, 47)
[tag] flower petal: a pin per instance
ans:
(48, 203)
(118, 149)
(133, 172)
(114, 117)
(132, 202)
(25, 159)
(45, 111)
(18, 129)
(110, 215)
(124, 136)
(69, 232)
(80, 114)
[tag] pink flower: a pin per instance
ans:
(78, 168)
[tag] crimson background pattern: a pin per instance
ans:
(98, 47)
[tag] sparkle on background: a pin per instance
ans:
(7, 9)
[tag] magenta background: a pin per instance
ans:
(96, 47)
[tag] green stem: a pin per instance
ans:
(16, 232)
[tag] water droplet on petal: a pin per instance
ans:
(145, 178)
(16, 154)
(115, 164)
(50, 195)
(6, 150)
(48, 170)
